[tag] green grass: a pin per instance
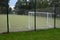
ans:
(21, 22)
(51, 34)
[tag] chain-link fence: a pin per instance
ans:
(36, 17)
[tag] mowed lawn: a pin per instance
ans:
(22, 23)
(51, 34)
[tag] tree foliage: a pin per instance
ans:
(22, 6)
(4, 6)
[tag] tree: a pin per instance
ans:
(3, 6)
(10, 10)
(44, 4)
(55, 2)
(38, 5)
(22, 6)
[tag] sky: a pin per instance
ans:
(12, 3)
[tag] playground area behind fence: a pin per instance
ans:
(26, 23)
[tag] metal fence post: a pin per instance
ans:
(7, 18)
(35, 15)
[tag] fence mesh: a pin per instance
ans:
(23, 19)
